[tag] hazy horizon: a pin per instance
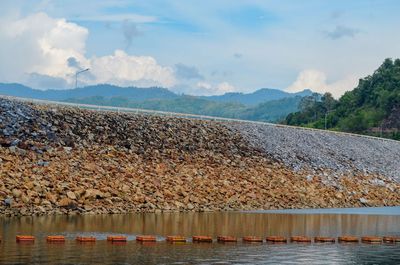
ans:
(178, 93)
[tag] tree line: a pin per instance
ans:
(373, 107)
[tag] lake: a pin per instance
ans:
(329, 222)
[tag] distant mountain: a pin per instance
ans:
(182, 104)
(18, 90)
(104, 90)
(140, 94)
(263, 105)
(270, 111)
(259, 96)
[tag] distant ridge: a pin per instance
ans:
(103, 90)
(259, 96)
(270, 105)
(140, 94)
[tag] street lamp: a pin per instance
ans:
(326, 116)
(76, 76)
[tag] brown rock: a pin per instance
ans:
(25, 199)
(16, 193)
(71, 195)
(339, 195)
(93, 194)
(51, 197)
(125, 188)
(88, 207)
(24, 211)
(64, 202)
(46, 203)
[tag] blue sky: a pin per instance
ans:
(199, 47)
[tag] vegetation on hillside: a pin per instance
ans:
(140, 94)
(270, 111)
(373, 107)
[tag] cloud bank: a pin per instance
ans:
(123, 69)
(216, 89)
(342, 32)
(317, 82)
(45, 52)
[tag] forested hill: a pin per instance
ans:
(138, 94)
(373, 107)
(257, 97)
(266, 104)
(269, 111)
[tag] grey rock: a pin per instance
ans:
(319, 150)
(8, 202)
(15, 142)
(43, 163)
(363, 201)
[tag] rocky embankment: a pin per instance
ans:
(321, 152)
(56, 160)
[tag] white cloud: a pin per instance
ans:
(45, 52)
(41, 45)
(225, 87)
(317, 82)
(204, 85)
(205, 88)
(122, 69)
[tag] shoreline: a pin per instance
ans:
(366, 210)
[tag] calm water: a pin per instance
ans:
(366, 222)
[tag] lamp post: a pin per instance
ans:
(326, 118)
(76, 76)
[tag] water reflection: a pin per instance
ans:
(188, 224)
(213, 224)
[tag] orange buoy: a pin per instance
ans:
(371, 239)
(226, 239)
(300, 239)
(204, 239)
(20, 238)
(117, 238)
(322, 239)
(252, 239)
(173, 239)
(276, 239)
(391, 239)
(83, 239)
(146, 238)
(348, 239)
(57, 239)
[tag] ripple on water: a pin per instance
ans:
(188, 224)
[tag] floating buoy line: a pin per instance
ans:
(221, 239)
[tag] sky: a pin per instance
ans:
(206, 47)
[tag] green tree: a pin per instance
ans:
(363, 110)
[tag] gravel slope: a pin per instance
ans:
(316, 150)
